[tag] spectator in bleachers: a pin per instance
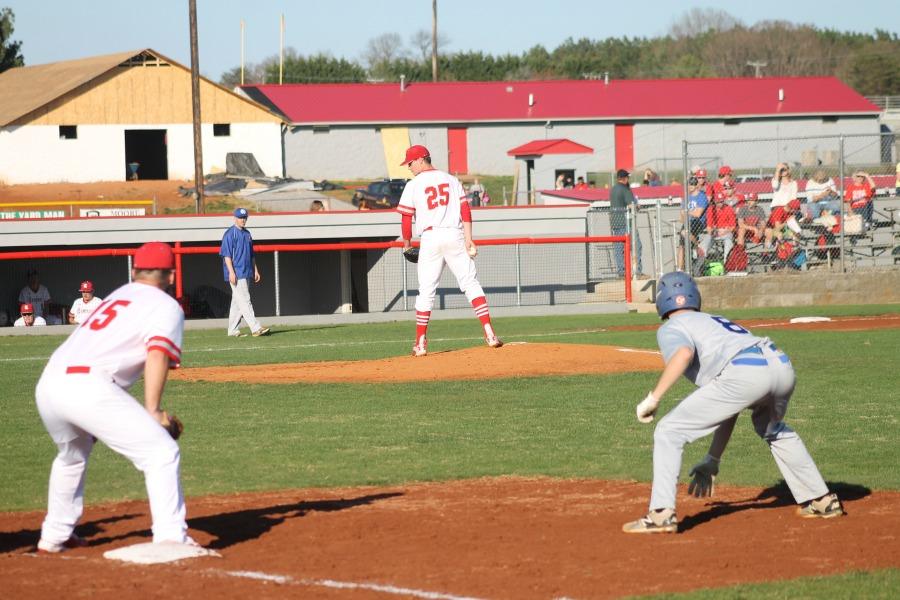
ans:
(720, 224)
(859, 195)
(897, 183)
(84, 306)
(784, 187)
(697, 203)
(822, 193)
(38, 296)
(751, 221)
(781, 219)
(732, 197)
(28, 318)
(725, 177)
(560, 181)
(580, 184)
(651, 178)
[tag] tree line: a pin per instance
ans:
(701, 43)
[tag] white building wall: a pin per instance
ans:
(36, 154)
(335, 153)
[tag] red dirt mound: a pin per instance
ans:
(512, 360)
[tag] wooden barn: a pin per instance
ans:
(89, 119)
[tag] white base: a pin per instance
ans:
(149, 553)
(809, 319)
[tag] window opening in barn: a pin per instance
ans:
(317, 129)
(68, 132)
(732, 121)
(222, 129)
(829, 119)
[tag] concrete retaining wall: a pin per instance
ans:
(869, 286)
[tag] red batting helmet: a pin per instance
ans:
(415, 153)
(26, 309)
(86, 286)
(154, 255)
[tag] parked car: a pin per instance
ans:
(384, 194)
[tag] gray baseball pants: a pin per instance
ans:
(241, 308)
(762, 382)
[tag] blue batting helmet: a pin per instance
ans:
(675, 291)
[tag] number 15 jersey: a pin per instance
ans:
(115, 339)
(434, 197)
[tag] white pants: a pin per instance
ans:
(766, 390)
(241, 308)
(439, 246)
(75, 407)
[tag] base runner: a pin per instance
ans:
(444, 225)
(82, 397)
(734, 370)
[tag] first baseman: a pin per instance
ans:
(734, 370)
(82, 397)
(444, 225)
(84, 306)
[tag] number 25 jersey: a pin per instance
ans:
(434, 197)
(117, 336)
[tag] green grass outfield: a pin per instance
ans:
(265, 437)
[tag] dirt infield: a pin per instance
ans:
(483, 538)
(512, 360)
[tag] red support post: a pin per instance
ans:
(178, 283)
(627, 258)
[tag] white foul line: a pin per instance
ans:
(343, 585)
(255, 348)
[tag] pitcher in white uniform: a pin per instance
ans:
(82, 398)
(734, 370)
(444, 224)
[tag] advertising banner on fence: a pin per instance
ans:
(32, 214)
(112, 212)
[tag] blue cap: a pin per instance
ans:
(240, 213)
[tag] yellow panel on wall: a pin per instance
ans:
(395, 141)
(145, 95)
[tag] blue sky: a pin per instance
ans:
(53, 30)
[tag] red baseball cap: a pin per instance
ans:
(724, 170)
(700, 173)
(154, 255)
(26, 309)
(86, 286)
(415, 153)
(751, 196)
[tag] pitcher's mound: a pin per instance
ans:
(512, 360)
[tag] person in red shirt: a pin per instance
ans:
(859, 195)
(720, 224)
(725, 178)
(581, 185)
(732, 198)
(751, 219)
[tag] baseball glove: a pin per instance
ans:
(173, 425)
(411, 254)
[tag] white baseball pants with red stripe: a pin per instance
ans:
(437, 247)
(75, 407)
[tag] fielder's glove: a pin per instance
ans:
(704, 477)
(411, 254)
(647, 408)
(173, 425)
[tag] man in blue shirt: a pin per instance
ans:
(239, 265)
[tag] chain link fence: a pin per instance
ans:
(827, 202)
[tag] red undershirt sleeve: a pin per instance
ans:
(406, 227)
(465, 212)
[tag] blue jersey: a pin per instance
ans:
(698, 200)
(715, 341)
(237, 244)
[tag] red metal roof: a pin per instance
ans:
(541, 147)
(562, 100)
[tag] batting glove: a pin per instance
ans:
(703, 475)
(647, 408)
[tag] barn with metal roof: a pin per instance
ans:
(360, 130)
(88, 119)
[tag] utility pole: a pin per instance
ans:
(281, 53)
(758, 65)
(434, 33)
(242, 52)
(195, 109)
